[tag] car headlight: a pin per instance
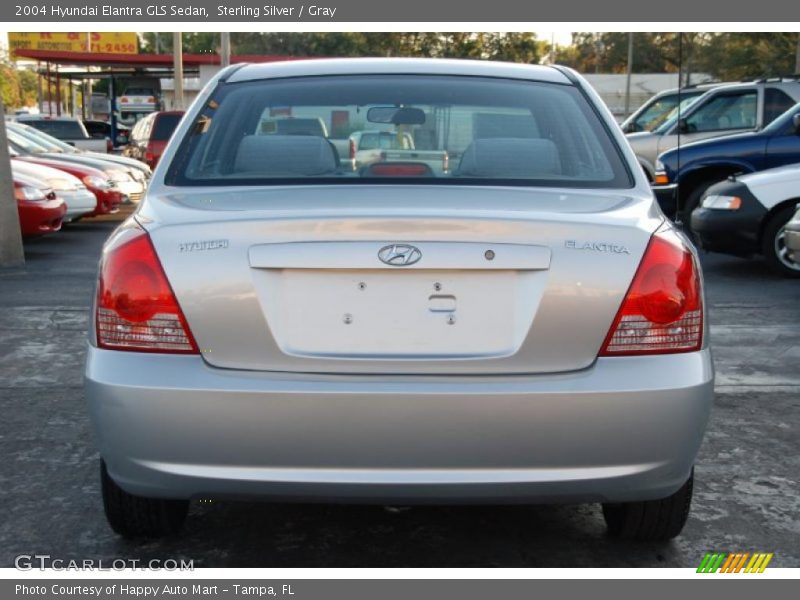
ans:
(28, 192)
(118, 175)
(98, 182)
(719, 202)
(659, 165)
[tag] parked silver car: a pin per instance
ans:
(527, 327)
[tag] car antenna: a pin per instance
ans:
(678, 170)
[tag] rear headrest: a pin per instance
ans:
(515, 158)
(285, 156)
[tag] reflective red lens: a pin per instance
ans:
(136, 307)
(662, 311)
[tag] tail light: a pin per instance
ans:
(151, 100)
(662, 312)
(109, 145)
(124, 99)
(352, 149)
(399, 170)
(136, 307)
(150, 157)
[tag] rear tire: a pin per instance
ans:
(773, 246)
(138, 517)
(650, 520)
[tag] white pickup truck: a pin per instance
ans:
(369, 147)
(68, 130)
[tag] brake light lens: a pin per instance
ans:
(399, 170)
(352, 149)
(662, 312)
(136, 307)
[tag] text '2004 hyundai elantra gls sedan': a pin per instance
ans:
(521, 326)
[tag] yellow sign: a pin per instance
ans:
(96, 41)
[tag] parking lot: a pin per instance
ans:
(747, 472)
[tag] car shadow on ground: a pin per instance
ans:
(237, 534)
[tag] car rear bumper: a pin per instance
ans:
(627, 428)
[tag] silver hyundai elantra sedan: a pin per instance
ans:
(516, 323)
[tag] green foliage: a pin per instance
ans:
(724, 56)
(516, 47)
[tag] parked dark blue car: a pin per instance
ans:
(685, 173)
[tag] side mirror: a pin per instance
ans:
(683, 126)
(796, 123)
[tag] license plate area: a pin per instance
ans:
(396, 314)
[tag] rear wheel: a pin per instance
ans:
(135, 516)
(650, 520)
(773, 245)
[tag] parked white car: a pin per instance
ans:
(78, 198)
(749, 215)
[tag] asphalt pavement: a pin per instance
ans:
(746, 494)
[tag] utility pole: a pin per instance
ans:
(225, 49)
(177, 60)
(11, 253)
(628, 76)
(797, 57)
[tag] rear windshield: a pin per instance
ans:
(442, 129)
(164, 126)
(63, 130)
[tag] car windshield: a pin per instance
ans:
(138, 91)
(470, 130)
(23, 143)
(35, 136)
(662, 109)
(669, 120)
(62, 129)
(384, 140)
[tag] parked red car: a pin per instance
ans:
(41, 211)
(108, 197)
(149, 136)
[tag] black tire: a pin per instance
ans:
(774, 248)
(137, 517)
(650, 520)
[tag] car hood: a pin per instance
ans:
(786, 175)
(736, 146)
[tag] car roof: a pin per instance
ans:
(23, 118)
(390, 66)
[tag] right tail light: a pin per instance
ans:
(662, 312)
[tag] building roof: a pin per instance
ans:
(105, 59)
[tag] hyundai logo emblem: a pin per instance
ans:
(399, 255)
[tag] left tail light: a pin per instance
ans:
(662, 313)
(136, 307)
